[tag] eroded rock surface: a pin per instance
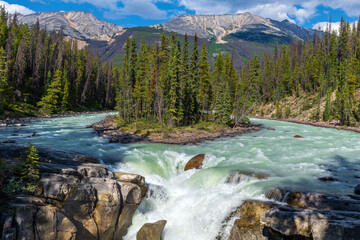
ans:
(77, 199)
(298, 216)
(151, 231)
(195, 162)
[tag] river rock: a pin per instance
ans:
(129, 177)
(328, 179)
(35, 134)
(151, 231)
(298, 136)
(195, 162)
(75, 200)
(270, 128)
(313, 224)
(357, 189)
(248, 226)
(8, 141)
(309, 200)
(237, 176)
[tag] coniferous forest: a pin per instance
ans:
(42, 71)
(172, 83)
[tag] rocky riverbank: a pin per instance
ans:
(77, 198)
(335, 125)
(108, 129)
(293, 215)
(22, 121)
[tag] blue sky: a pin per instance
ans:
(129, 13)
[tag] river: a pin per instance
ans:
(195, 202)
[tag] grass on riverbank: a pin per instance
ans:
(148, 128)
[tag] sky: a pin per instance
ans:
(131, 13)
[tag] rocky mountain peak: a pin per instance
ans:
(219, 26)
(80, 25)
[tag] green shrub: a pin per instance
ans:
(306, 105)
(287, 112)
(278, 113)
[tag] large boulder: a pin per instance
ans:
(195, 162)
(76, 199)
(298, 216)
(313, 224)
(248, 226)
(310, 200)
(151, 231)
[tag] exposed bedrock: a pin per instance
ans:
(77, 199)
(295, 215)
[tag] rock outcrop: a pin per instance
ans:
(151, 231)
(298, 216)
(195, 162)
(77, 198)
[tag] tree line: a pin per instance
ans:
(172, 83)
(327, 66)
(43, 70)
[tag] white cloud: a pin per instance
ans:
(334, 25)
(119, 8)
(273, 11)
(299, 10)
(12, 8)
(324, 25)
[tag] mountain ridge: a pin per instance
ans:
(81, 25)
(219, 26)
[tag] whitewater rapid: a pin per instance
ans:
(196, 202)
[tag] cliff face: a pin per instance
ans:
(78, 199)
(76, 24)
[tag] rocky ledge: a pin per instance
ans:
(77, 198)
(295, 215)
(108, 129)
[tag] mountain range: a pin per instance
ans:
(241, 35)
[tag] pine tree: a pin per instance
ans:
(5, 87)
(205, 92)
(223, 105)
(123, 97)
(142, 80)
(327, 110)
(174, 110)
(4, 30)
(187, 98)
(65, 93)
(194, 80)
(133, 63)
(30, 171)
(50, 102)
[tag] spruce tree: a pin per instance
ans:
(327, 110)
(205, 92)
(65, 93)
(174, 103)
(194, 80)
(223, 108)
(5, 87)
(50, 103)
(30, 170)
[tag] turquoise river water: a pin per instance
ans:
(196, 202)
